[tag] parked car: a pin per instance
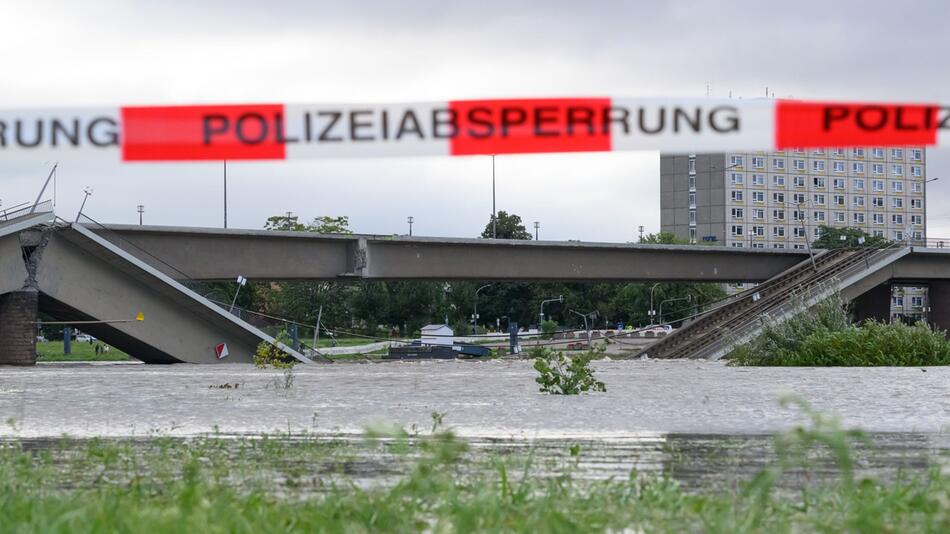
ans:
(85, 338)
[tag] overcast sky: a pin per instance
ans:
(112, 52)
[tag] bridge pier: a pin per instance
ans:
(18, 315)
(939, 301)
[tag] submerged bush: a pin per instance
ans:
(824, 336)
(272, 355)
(565, 375)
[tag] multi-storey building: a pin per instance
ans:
(780, 199)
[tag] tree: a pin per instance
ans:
(831, 238)
(663, 238)
(508, 226)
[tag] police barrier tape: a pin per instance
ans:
(466, 127)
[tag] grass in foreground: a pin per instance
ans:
(308, 485)
(52, 351)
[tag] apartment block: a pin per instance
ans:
(779, 199)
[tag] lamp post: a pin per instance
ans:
(475, 309)
(87, 191)
(537, 226)
(141, 210)
(592, 315)
(410, 220)
(240, 282)
(652, 312)
(560, 298)
(641, 233)
(494, 217)
(225, 193)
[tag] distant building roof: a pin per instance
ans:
(432, 327)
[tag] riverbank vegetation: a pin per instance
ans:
(823, 336)
(435, 483)
(80, 351)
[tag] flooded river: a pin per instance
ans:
(714, 423)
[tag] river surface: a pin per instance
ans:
(705, 423)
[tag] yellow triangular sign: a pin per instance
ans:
(140, 316)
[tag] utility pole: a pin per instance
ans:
(141, 210)
(494, 216)
(641, 233)
(537, 226)
(225, 193)
(410, 220)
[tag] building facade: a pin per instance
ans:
(780, 199)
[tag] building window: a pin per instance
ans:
(738, 244)
(857, 152)
(839, 183)
(736, 160)
(818, 165)
(692, 235)
(916, 220)
(897, 153)
(737, 213)
(798, 164)
(758, 179)
(878, 233)
(758, 196)
(916, 154)
(877, 185)
(839, 152)
(877, 218)
(798, 198)
(692, 183)
(916, 171)
(858, 218)
(897, 218)
(897, 300)
(897, 187)
(857, 201)
(917, 302)
(692, 217)
(859, 184)
(877, 168)
(692, 165)
(819, 199)
(917, 203)
(758, 213)
(798, 215)
(778, 198)
(778, 163)
(917, 187)
(898, 235)
(778, 180)
(737, 229)
(737, 196)
(877, 153)
(897, 202)
(758, 245)
(779, 245)
(778, 231)
(818, 181)
(798, 232)
(897, 170)
(758, 162)
(798, 181)
(918, 236)
(839, 166)
(857, 167)
(839, 216)
(839, 200)
(877, 202)
(778, 215)
(737, 178)
(758, 231)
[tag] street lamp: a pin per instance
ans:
(475, 309)
(241, 281)
(592, 315)
(87, 191)
(652, 312)
(537, 226)
(494, 217)
(410, 220)
(141, 210)
(560, 298)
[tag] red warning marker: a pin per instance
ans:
(221, 350)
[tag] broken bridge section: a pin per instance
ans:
(73, 274)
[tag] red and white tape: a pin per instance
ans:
(466, 127)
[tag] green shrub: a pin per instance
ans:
(548, 328)
(272, 355)
(563, 375)
(824, 337)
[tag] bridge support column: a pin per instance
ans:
(18, 314)
(874, 304)
(939, 302)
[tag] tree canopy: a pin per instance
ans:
(831, 238)
(509, 227)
